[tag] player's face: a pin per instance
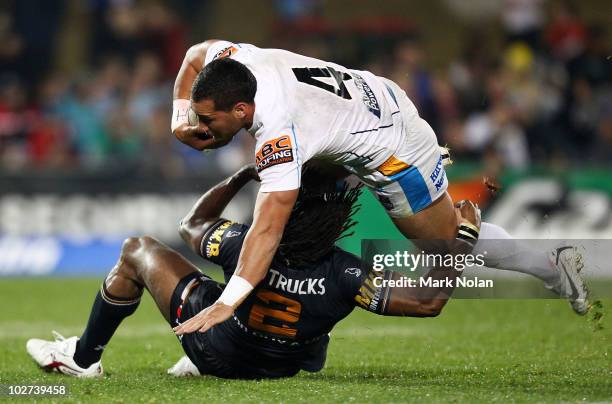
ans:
(222, 125)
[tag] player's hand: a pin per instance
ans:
(467, 211)
(206, 319)
(195, 136)
(249, 172)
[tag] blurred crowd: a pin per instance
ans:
(543, 94)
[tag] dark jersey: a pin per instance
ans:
(284, 323)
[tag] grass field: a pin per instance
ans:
(476, 351)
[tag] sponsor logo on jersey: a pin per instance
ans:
(308, 286)
(214, 241)
(438, 182)
(226, 52)
(353, 271)
(367, 95)
(436, 171)
(232, 233)
(273, 152)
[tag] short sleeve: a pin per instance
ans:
(220, 50)
(222, 243)
(361, 286)
(351, 272)
(278, 162)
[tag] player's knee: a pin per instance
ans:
(130, 245)
(135, 248)
(148, 243)
(125, 265)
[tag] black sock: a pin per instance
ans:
(106, 314)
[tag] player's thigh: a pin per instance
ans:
(437, 221)
(411, 185)
(161, 269)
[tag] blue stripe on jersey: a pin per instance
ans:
(297, 154)
(414, 188)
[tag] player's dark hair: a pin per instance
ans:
(226, 82)
(322, 215)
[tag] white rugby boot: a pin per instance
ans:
(568, 262)
(184, 367)
(58, 356)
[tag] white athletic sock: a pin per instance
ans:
(511, 255)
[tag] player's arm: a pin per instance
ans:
(376, 295)
(277, 165)
(417, 301)
(278, 168)
(193, 63)
(272, 211)
(208, 209)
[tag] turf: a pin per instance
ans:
(476, 351)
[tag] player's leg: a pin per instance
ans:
(558, 268)
(412, 183)
(437, 221)
(412, 187)
(144, 263)
(505, 252)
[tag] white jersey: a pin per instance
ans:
(308, 108)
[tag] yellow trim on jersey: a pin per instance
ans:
(392, 166)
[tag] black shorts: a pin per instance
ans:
(203, 293)
(198, 346)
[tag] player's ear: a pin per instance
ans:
(239, 110)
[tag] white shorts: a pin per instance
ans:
(413, 177)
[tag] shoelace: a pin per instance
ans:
(57, 336)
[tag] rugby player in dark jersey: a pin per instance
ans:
(283, 326)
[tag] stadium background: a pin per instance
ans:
(519, 89)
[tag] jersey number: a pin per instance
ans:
(307, 75)
(276, 315)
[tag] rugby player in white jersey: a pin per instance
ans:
(299, 109)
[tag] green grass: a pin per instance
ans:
(476, 351)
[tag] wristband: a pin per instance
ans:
(235, 291)
(180, 113)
